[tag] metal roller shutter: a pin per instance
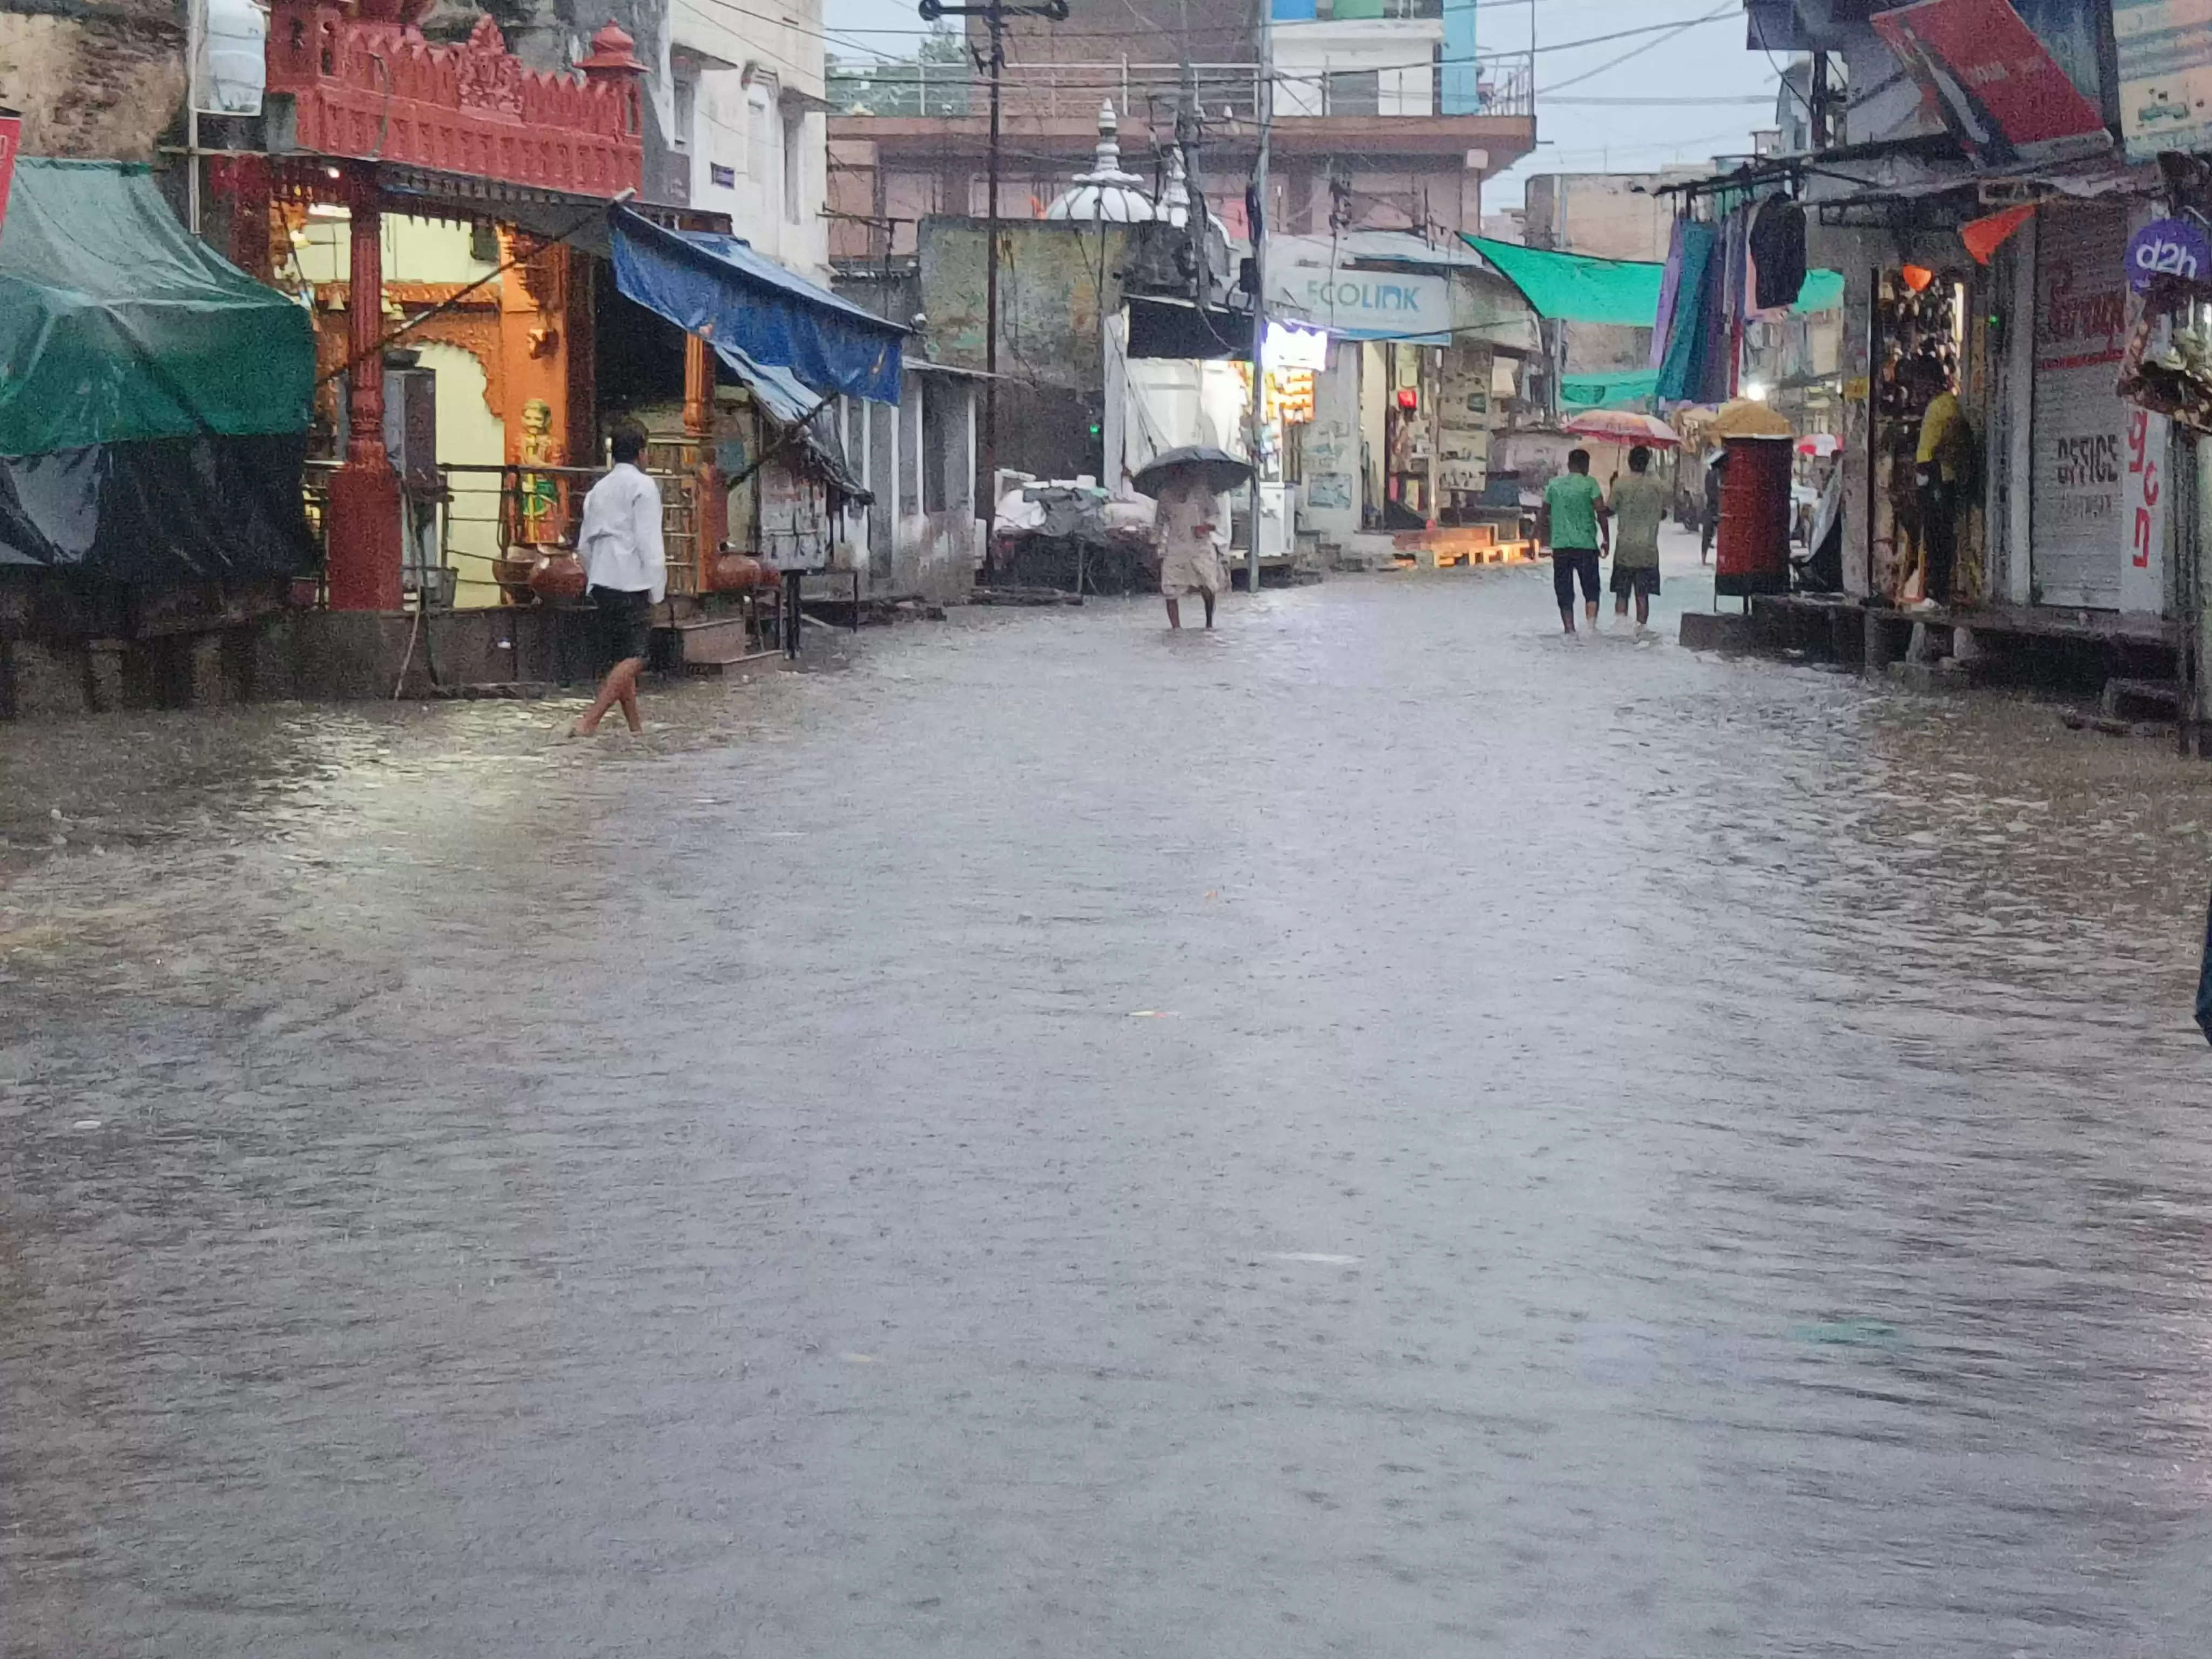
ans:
(2075, 537)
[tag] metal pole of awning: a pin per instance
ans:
(790, 433)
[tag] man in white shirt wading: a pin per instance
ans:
(627, 568)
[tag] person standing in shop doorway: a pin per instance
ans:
(1577, 527)
(1937, 461)
(1715, 474)
(1638, 505)
(627, 568)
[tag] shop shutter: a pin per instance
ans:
(2076, 539)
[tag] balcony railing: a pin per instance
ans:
(1291, 12)
(1319, 85)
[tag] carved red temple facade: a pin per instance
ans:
(377, 90)
(366, 93)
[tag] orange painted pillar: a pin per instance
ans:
(362, 534)
(710, 500)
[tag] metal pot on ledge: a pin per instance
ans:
(558, 575)
(512, 571)
(733, 572)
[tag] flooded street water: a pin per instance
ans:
(1379, 1132)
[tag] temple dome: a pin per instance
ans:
(1106, 194)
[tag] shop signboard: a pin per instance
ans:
(2143, 513)
(1463, 420)
(2168, 247)
(1992, 81)
(11, 134)
(1289, 346)
(1357, 305)
(794, 520)
(1329, 449)
(2079, 521)
(2164, 48)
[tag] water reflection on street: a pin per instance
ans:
(1379, 1131)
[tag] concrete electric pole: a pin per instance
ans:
(994, 17)
(1256, 214)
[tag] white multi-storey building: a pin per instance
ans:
(741, 102)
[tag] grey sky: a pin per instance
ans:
(1705, 61)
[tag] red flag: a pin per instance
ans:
(11, 134)
(1985, 235)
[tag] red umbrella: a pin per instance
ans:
(1622, 426)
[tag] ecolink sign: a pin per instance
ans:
(2169, 247)
(1372, 305)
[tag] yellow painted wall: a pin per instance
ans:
(415, 251)
(468, 434)
(433, 251)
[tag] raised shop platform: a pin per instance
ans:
(1447, 547)
(2090, 652)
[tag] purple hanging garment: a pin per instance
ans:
(1670, 292)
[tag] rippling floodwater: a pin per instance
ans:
(1376, 1133)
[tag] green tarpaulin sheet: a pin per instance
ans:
(1575, 288)
(1607, 391)
(117, 326)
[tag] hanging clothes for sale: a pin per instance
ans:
(1678, 344)
(1778, 253)
(1725, 310)
(1670, 296)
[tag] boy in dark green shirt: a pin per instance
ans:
(1579, 527)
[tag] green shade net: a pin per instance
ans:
(1608, 391)
(1576, 288)
(117, 326)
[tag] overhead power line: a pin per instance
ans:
(1669, 26)
(1598, 100)
(1731, 7)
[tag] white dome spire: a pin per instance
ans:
(1105, 194)
(1174, 195)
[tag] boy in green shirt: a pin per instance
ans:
(1639, 504)
(1578, 528)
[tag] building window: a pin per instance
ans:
(685, 88)
(1353, 92)
(794, 160)
(758, 137)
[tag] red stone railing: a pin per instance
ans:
(376, 90)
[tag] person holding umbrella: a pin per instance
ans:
(1187, 484)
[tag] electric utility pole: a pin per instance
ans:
(1256, 213)
(994, 16)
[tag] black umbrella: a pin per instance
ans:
(1222, 472)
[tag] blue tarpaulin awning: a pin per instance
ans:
(717, 287)
(789, 404)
